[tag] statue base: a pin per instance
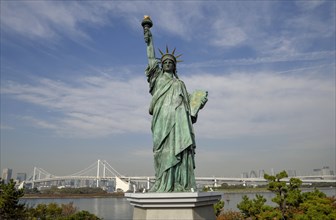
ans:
(164, 206)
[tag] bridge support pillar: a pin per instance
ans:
(148, 183)
(178, 206)
(121, 184)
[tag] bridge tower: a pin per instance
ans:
(215, 182)
(104, 170)
(98, 172)
(147, 183)
(34, 173)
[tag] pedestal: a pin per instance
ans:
(177, 206)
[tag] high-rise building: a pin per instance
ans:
(317, 172)
(261, 173)
(253, 174)
(6, 174)
(291, 173)
(325, 171)
(244, 175)
(21, 176)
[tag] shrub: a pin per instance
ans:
(82, 215)
(218, 207)
(10, 208)
(253, 208)
(230, 215)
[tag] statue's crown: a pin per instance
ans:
(171, 56)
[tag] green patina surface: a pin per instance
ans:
(174, 111)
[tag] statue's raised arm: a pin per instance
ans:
(147, 24)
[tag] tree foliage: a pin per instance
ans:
(230, 215)
(11, 208)
(291, 203)
(54, 211)
(253, 208)
(82, 215)
(218, 207)
(68, 190)
(315, 205)
(287, 196)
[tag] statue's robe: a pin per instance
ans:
(173, 135)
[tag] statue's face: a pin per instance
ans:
(168, 66)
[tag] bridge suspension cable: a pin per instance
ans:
(46, 173)
(86, 170)
(111, 169)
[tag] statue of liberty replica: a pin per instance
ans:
(174, 112)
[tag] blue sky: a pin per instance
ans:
(73, 88)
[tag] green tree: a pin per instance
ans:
(292, 203)
(218, 207)
(294, 197)
(68, 209)
(316, 205)
(46, 211)
(82, 215)
(253, 208)
(53, 211)
(10, 208)
(230, 215)
(279, 188)
(288, 196)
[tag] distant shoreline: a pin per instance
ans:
(121, 194)
(72, 196)
(264, 190)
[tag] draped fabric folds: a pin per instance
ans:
(173, 135)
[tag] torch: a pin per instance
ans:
(147, 24)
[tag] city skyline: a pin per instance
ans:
(322, 171)
(73, 87)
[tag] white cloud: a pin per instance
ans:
(5, 127)
(263, 104)
(98, 107)
(230, 23)
(240, 104)
(49, 19)
(323, 58)
(228, 37)
(40, 123)
(308, 5)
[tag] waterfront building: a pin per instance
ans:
(244, 175)
(317, 172)
(291, 173)
(6, 174)
(253, 174)
(21, 177)
(325, 171)
(261, 173)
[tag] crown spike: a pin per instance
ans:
(168, 55)
(179, 61)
